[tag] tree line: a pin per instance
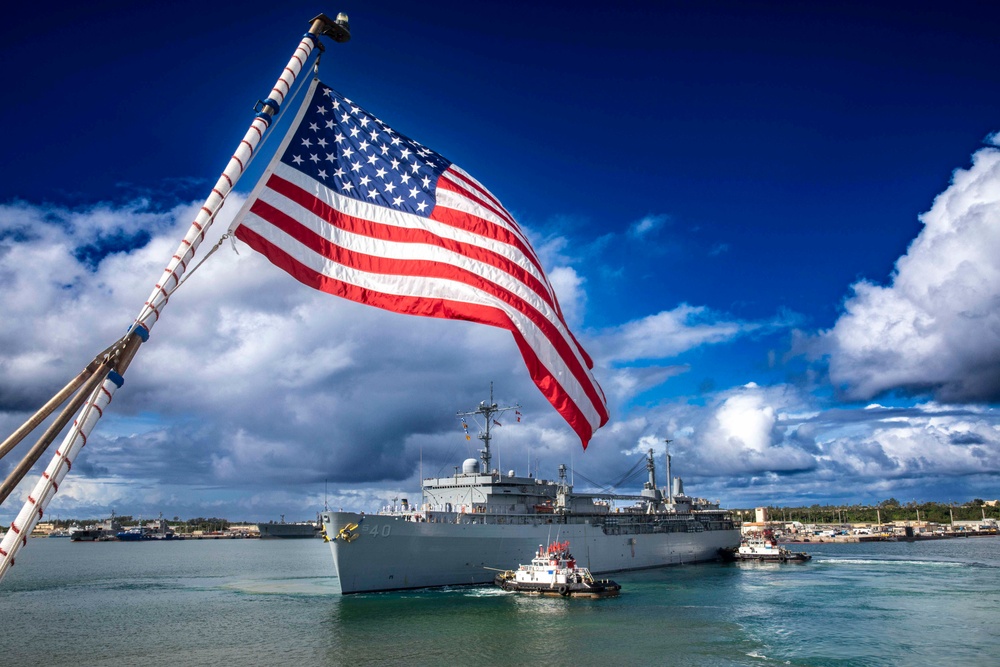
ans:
(886, 511)
(204, 524)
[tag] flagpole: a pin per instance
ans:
(336, 29)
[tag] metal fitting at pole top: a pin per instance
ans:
(339, 29)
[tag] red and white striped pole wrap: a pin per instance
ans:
(178, 264)
(48, 484)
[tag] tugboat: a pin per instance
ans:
(761, 546)
(553, 571)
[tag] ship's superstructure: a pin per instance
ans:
(477, 519)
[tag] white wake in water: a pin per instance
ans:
(890, 561)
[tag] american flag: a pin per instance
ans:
(351, 207)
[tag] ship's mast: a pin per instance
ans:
(488, 411)
(670, 480)
(651, 467)
(649, 490)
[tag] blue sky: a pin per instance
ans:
(774, 226)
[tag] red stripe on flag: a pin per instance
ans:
(450, 180)
(412, 268)
(436, 307)
(476, 192)
(458, 219)
(557, 396)
(396, 234)
(462, 220)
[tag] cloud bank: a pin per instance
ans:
(936, 327)
(254, 387)
(256, 396)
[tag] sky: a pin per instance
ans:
(774, 226)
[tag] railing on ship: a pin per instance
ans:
(612, 524)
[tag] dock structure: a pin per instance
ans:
(796, 532)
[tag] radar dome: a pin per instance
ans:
(470, 466)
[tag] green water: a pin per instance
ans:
(251, 602)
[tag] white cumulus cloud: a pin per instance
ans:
(936, 327)
(667, 334)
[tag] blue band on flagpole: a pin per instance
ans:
(140, 331)
(264, 115)
(314, 39)
(116, 378)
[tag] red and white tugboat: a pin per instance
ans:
(553, 571)
(762, 546)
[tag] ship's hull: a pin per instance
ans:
(771, 556)
(83, 538)
(391, 553)
(597, 589)
(90, 535)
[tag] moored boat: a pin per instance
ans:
(96, 532)
(554, 571)
(154, 530)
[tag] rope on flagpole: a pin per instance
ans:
(204, 259)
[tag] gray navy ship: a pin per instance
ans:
(285, 531)
(96, 532)
(472, 523)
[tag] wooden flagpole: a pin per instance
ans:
(43, 412)
(339, 31)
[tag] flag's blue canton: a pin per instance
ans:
(354, 153)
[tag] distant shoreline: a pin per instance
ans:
(852, 539)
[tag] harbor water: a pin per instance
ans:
(257, 602)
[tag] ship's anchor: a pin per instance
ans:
(348, 533)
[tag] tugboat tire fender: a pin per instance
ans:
(564, 590)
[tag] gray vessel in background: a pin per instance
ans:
(96, 532)
(476, 521)
(282, 530)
